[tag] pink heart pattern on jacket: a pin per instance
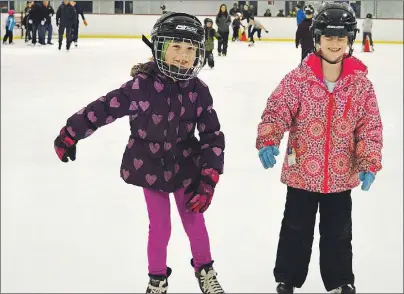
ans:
(192, 96)
(161, 115)
(91, 116)
(144, 105)
(150, 179)
(158, 86)
(137, 163)
(114, 103)
(157, 118)
(133, 106)
(135, 85)
(154, 147)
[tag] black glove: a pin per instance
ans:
(266, 31)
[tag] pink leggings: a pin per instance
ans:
(158, 206)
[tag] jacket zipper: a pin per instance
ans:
(327, 142)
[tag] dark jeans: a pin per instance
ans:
(75, 32)
(222, 44)
(209, 59)
(28, 32)
(9, 36)
(47, 28)
(370, 38)
(297, 233)
(253, 32)
(235, 33)
(61, 31)
(36, 30)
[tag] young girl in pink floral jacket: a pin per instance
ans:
(330, 109)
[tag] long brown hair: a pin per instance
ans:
(220, 13)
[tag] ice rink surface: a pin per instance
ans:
(78, 227)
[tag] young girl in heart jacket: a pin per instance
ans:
(165, 103)
(329, 107)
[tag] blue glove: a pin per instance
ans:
(367, 178)
(267, 156)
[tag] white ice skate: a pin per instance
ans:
(158, 283)
(207, 280)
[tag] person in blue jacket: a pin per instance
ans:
(10, 23)
(300, 16)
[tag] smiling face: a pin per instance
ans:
(333, 48)
(180, 54)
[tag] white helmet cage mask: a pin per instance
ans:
(172, 70)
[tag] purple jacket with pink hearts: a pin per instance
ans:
(162, 152)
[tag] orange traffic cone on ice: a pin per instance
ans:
(243, 37)
(366, 47)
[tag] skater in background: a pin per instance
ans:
(246, 16)
(223, 21)
(304, 36)
(300, 16)
(236, 26)
(37, 17)
(163, 9)
(75, 28)
(210, 34)
(27, 24)
(367, 26)
(280, 13)
(335, 142)
(47, 27)
(234, 10)
(65, 18)
(9, 25)
(256, 27)
(268, 13)
(165, 102)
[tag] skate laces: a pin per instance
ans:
(210, 282)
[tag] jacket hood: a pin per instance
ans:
(351, 67)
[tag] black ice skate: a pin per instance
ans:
(158, 283)
(283, 288)
(207, 280)
(345, 289)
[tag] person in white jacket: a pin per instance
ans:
(367, 25)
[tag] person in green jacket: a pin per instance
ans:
(210, 33)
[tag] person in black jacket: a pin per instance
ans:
(37, 18)
(65, 18)
(75, 29)
(26, 24)
(233, 12)
(47, 27)
(303, 33)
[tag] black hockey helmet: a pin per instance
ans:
(308, 9)
(206, 20)
(335, 19)
(177, 27)
(369, 15)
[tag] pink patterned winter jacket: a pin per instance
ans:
(334, 136)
